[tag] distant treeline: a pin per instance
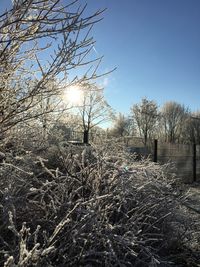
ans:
(173, 122)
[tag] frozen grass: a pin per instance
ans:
(89, 206)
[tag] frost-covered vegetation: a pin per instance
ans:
(64, 205)
(88, 206)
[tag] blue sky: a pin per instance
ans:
(155, 45)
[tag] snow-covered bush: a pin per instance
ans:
(90, 206)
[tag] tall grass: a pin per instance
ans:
(86, 206)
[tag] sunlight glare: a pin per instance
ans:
(73, 95)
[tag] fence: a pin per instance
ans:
(184, 158)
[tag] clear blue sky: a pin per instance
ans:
(155, 45)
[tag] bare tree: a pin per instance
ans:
(122, 126)
(94, 109)
(40, 43)
(173, 119)
(145, 115)
(191, 128)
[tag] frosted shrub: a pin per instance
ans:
(97, 207)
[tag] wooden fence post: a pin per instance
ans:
(194, 163)
(155, 152)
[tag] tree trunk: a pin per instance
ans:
(85, 136)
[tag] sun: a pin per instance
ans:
(73, 95)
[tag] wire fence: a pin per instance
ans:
(185, 158)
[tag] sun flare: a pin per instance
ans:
(73, 95)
